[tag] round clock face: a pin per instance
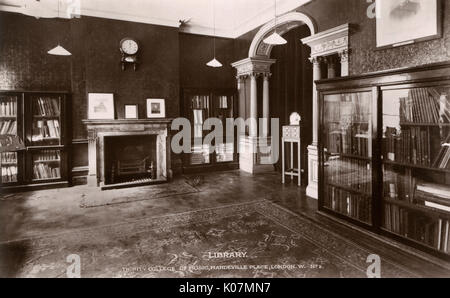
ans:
(129, 46)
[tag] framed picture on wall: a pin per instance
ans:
(101, 106)
(402, 22)
(156, 108)
(131, 111)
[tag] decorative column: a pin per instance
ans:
(92, 156)
(317, 75)
(239, 81)
(253, 106)
(266, 114)
(251, 148)
(343, 55)
(323, 44)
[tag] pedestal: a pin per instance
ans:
(313, 172)
(255, 155)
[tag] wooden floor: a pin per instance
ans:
(52, 212)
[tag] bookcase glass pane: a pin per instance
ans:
(9, 167)
(46, 129)
(8, 115)
(347, 154)
(199, 107)
(46, 164)
(416, 165)
(223, 110)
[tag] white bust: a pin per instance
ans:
(295, 119)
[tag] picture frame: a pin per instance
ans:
(403, 22)
(156, 108)
(131, 111)
(101, 106)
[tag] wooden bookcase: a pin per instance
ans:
(199, 105)
(39, 119)
(384, 154)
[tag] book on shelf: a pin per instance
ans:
(433, 232)
(46, 171)
(46, 106)
(348, 204)
(352, 141)
(8, 157)
(8, 106)
(47, 155)
(8, 127)
(398, 186)
(46, 129)
(424, 105)
(223, 102)
(200, 102)
(410, 145)
(434, 195)
(9, 174)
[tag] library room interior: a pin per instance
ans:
(225, 138)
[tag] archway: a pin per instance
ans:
(253, 75)
(284, 23)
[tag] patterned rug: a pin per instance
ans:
(96, 198)
(257, 239)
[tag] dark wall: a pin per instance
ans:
(94, 65)
(290, 85)
(364, 56)
(195, 52)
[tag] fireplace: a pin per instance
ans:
(126, 153)
(130, 158)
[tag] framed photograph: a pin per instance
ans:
(401, 22)
(156, 108)
(101, 106)
(131, 111)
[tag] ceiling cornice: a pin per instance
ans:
(264, 15)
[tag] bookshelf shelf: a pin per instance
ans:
(424, 124)
(47, 161)
(351, 156)
(349, 189)
(38, 119)
(394, 163)
(421, 208)
(406, 185)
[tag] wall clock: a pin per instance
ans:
(129, 48)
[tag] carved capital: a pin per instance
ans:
(92, 135)
(267, 75)
(316, 60)
(344, 55)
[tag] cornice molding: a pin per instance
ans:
(329, 42)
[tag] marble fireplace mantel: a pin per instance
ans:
(99, 129)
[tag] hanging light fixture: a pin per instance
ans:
(275, 38)
(214, 62)
(59, 50)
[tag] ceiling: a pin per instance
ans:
(233, 17)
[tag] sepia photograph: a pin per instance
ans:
(225, 146)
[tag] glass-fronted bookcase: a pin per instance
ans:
(384, 154)
(39, 121)
(198, 106)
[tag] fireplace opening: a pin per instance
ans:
(130, 158)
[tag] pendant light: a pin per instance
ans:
(59, 50)
(214, 62)
(275, 38)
